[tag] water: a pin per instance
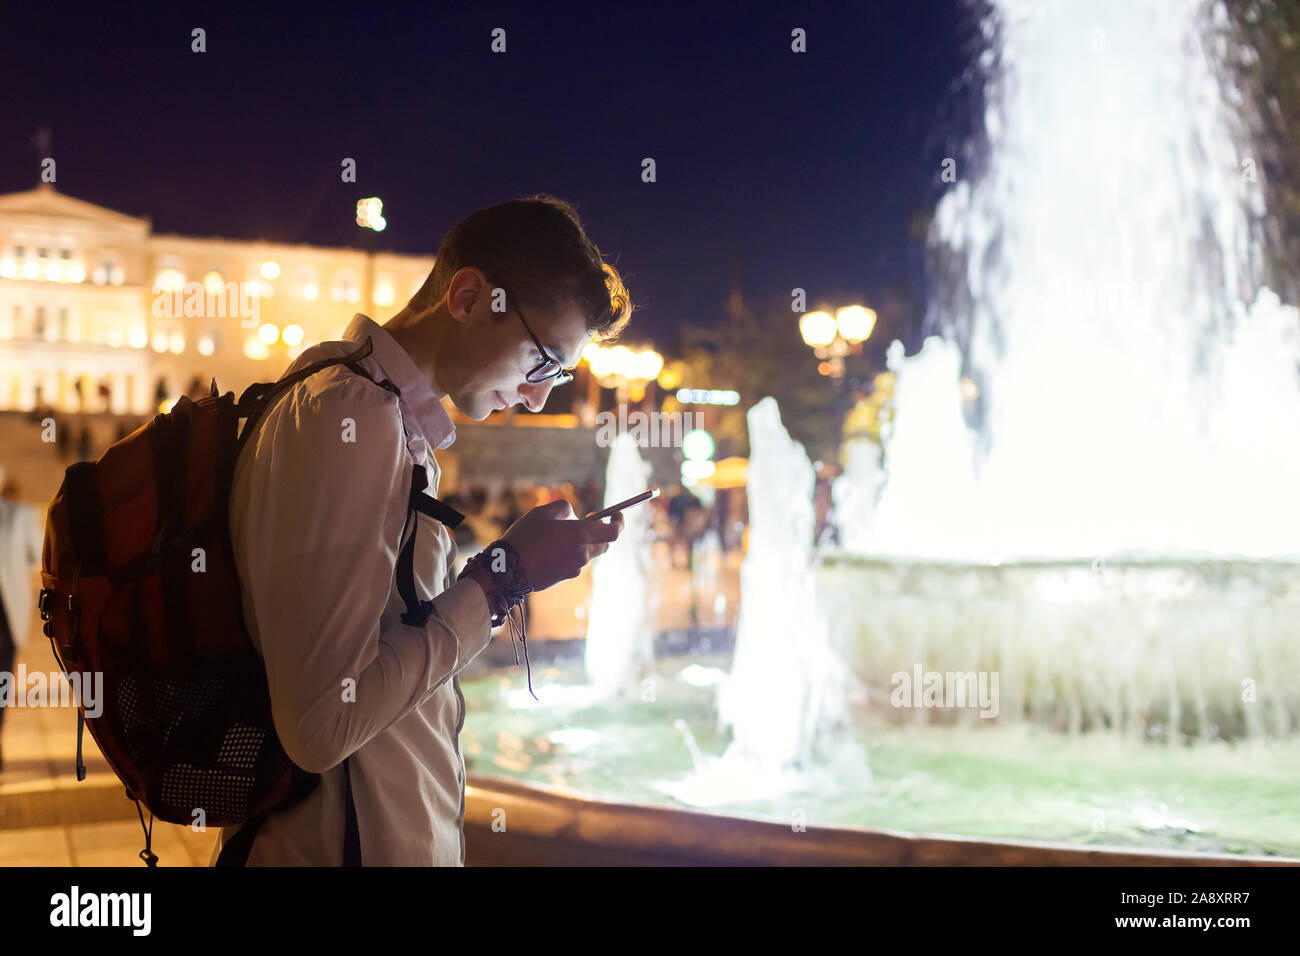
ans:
(1139, 389)
(620, 639)
(784, 699)
(1108, 527)
(1111, 525)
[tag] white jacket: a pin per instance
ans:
(316, 523)
(21, 540)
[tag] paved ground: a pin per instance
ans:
(48, 818)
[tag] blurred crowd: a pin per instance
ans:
(679, 517)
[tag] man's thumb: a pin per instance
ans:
(561, 508)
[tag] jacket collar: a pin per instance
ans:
(402, 371)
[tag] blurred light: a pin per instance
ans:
(824, 368)
(354, 295)
(697, 445)
(167, 404)
(205, 346)
(169, 280)
(651, 364)
(270, 269)
(310, 292)
(855, 323)
(139, 337)
(670, 378)
(370, 213)
(384, 294)
(969, 390)
(212, 283)
(693, 471)
(292, 334)
(269, 333)
(114, 338)
(77, 272)
(7, 268)
(708, 396)
(176, 343)
(160, 341)
(817, 328)
(30, 269)
(256, 349)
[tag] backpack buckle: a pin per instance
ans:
(44, 604)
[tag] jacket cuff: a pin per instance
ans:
(465, 607)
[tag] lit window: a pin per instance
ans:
(169, 280)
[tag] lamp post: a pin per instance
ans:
(370, 217)
(832, 339)
(626, 370)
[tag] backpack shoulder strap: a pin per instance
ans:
(259, 396)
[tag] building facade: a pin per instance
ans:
(99, 314)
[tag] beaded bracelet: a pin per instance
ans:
(500, 560)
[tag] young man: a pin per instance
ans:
(317, 511)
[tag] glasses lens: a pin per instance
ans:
(543, 372)
(548, 371)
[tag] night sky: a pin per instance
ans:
(807, 169)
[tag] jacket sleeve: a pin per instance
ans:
(316, 522)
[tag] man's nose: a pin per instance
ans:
(534, 394)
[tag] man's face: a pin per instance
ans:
(488, 363)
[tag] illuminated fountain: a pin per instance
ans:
(784, 699)
(1113, 528)
(620, 634)
(1103, 516)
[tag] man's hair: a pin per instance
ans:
(536, 247)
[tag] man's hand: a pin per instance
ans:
(554, 545)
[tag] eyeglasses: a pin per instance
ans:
(548, 368)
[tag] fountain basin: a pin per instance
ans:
(547, 827)
(1170, 649)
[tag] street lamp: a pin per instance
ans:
(370, 217)
(834, 338)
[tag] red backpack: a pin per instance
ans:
(139, 583)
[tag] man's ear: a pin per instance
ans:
(468, 290)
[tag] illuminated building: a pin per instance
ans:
(99, 314)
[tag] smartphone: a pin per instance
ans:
(634, 500)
